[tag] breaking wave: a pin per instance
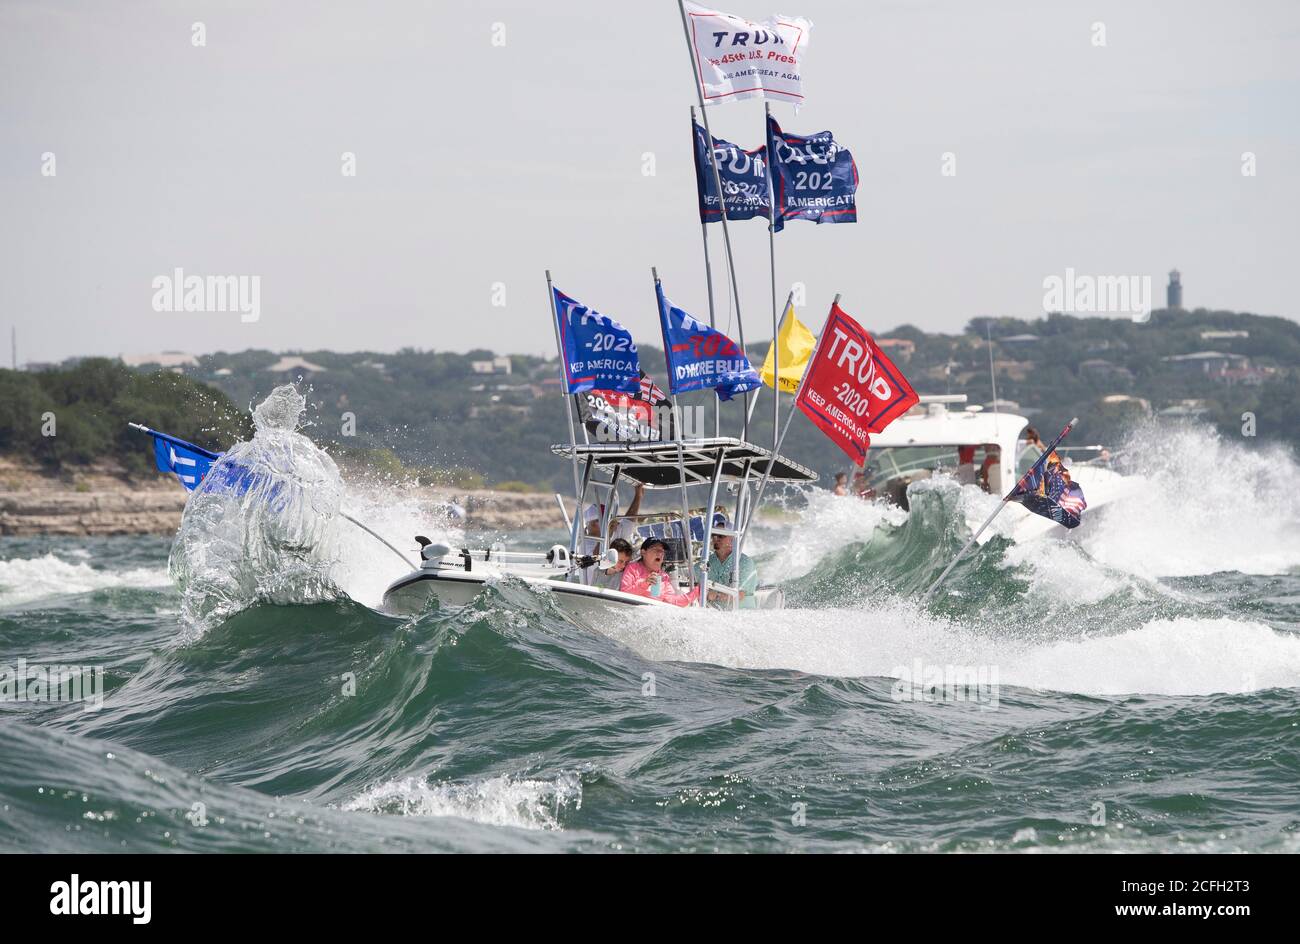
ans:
(261, 525)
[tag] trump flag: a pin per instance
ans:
(700, 357)
(851, 389)
(813, 177)
(737, 59)
(743, 174)
(599, 353)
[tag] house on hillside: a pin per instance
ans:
(1186, 409)
(1121, 399)
(292, 362)
(1214, 364)
(168, 359)
(897, 348)
(497, 365)
(1099, 369)
(1015, 370)
(1245, 376)
(546, 387)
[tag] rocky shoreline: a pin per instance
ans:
(101, 502)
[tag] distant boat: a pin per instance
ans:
(928, 439)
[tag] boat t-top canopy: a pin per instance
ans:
(660, 464)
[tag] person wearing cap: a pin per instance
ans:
(646, 577)
(721, 566)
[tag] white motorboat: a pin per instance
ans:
(456, 576)
(933, 439)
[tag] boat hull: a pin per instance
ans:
(412, 594)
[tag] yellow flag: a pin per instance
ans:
(797, 344)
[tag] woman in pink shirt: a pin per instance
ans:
(646, 577)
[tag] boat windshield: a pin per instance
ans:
(891, 469)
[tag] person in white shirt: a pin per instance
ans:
(619, 527)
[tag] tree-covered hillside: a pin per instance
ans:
(78, 415)
(480, 417)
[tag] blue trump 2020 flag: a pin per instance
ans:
(599, 353)
(744, 179)
(700, 357)
(813, 177)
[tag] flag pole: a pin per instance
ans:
(564, 387)
(798, 390)
(687, 549)
(771, 256)
(708, 281)
(789, 300)
(997, 511)
(722, 197)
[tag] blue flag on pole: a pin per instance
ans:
(813, 177)
(744, 179)
(192, 464)
(700, 357)
(599, 353)
(188, 462)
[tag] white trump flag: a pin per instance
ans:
(736, 58)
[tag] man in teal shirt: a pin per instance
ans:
(721, 568)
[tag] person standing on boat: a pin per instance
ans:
(966, 465)
(646, 577)
(1033, 451)
(990, 475)
(721, 568)
(841, 484)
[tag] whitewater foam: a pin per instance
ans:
(827, 524)
(1210, 506)
(1184, 656)
(27, 580)
(1060, 571)
(497, 801)
(363, 568)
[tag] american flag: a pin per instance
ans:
(1072, 499)
(1047, 490)
(650, 391)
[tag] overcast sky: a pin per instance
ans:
(480, 164)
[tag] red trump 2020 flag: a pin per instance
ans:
(851, 388)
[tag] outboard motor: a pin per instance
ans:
(431, 554)
(558, 557)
